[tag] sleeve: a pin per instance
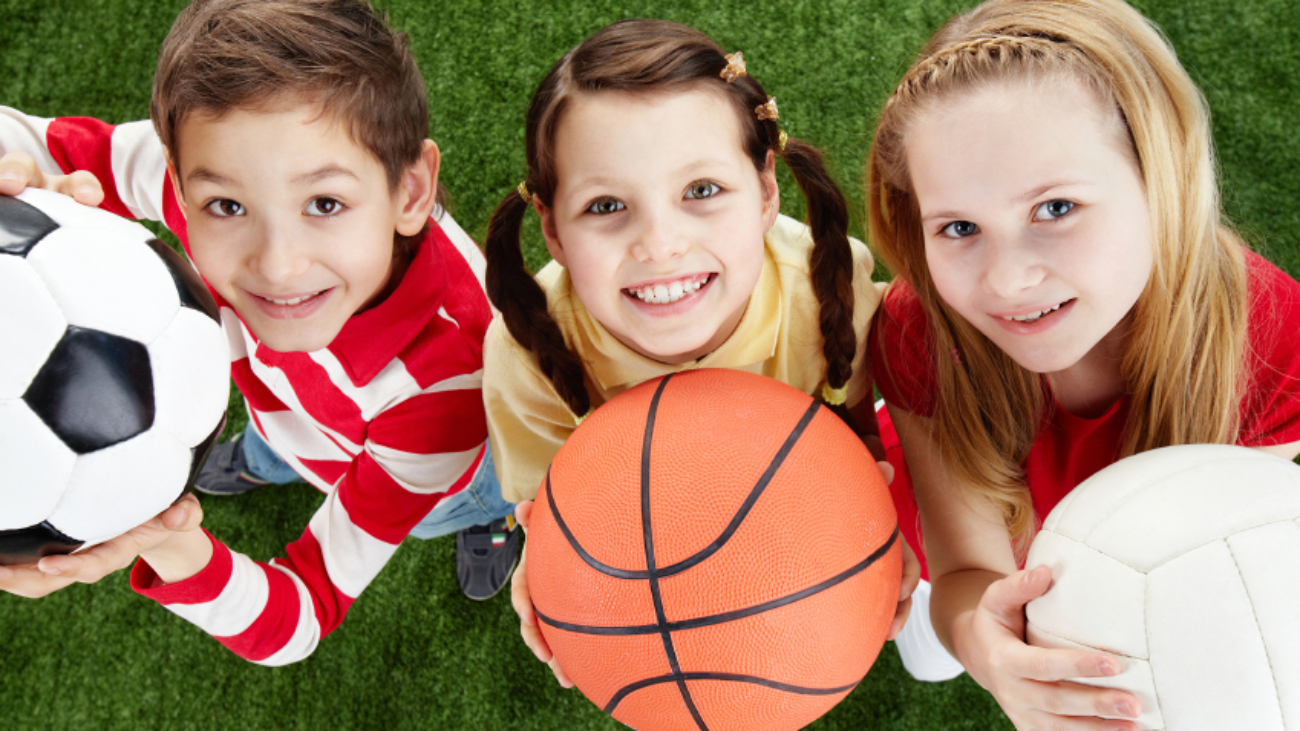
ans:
(416, 453)
(128, 159)
(1270, 413)
(527, 419)
(900, 351)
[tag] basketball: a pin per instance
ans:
(1184, 562)
(714, 550)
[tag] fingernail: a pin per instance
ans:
(8, 176)
(1106, 667)
(1124, 709)
(83, 191)
(52, 571)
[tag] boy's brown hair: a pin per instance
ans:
(255, 54)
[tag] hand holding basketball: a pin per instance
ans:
(522, 601)
(1028, 681)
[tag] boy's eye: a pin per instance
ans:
(959, 229)
(1052, 209)
(224, 207)
(605, 206)
(323, 207)
(702, 189)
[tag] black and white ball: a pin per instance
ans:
(1185, 562)
(114, 375)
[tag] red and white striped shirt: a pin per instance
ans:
(386, 421)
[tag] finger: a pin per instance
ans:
(559, 673)
(900, 618)
(1073, 699)
(81, 185)
(185, 514)
(28, 581)
(94, 563)
(1005, 599)
(520, 598)
(1042, 664)
(524, 513)
(17, 171)
(1038, 719)
(911, 573)
(536, 642)
(887, 470)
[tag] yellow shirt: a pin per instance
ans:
(779, 336)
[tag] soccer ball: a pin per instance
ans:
(1185, 562)
(114, 377)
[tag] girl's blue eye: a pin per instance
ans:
(959, 229)
(605, 206)
(1052, 209)
(702, 189)
(323, 207)
(225, 208)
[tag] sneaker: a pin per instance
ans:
(226, 471)
(485, 557)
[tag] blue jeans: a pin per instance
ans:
(479, 503)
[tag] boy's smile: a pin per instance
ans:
(290, 220)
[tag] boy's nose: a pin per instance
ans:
(1010, 267)
(279, 259)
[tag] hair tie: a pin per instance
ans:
(577, 420)
(735, 67)
(780, 142)
(768, 110)
(523, 193)
(834, 396)
(956, 356)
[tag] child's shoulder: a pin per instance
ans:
(789, 242)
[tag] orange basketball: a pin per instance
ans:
(714, 550)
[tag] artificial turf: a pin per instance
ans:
(413, 652)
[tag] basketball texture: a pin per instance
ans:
(714, 550)
(1185, 562)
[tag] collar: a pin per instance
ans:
(612, 364)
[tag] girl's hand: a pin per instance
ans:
(18, 171)
(911, 577)
(1030, 683)
(89, 566)
(522, 601)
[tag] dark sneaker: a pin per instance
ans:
(485, 557)
(226, 471)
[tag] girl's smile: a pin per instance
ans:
(1035, 218)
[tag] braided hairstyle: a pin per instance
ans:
(642, 56)
(1184, 351)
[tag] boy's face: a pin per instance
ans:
(290, 220)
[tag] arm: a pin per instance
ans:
(978, 604)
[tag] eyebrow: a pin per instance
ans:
(207, 176)
(202, 174)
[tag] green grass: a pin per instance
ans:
(414, 653)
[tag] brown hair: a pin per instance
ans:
(1184, 350)
(222, 55)
(643, 56)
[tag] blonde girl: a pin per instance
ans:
(652, 164)
(1042, 184)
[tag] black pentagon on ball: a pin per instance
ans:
(95, 390)
(193, 292)
(29, 545)
(22, 226)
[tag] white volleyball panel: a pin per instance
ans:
(1094, 599)
(191, 376)
(34, 467)
(30, 325)
(1269, 561)
(116, 489)
(1210, 665)
(107, 282)
(1198, 504)
(1135, 678)
(65, 211)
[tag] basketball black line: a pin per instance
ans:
(661, 618)
(646, 629)
(717, 543)
(627, 690)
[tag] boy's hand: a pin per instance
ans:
(86, 567)
(523, 603)
(1032, 683)
(18, 171)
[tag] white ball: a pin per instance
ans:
(1184, 562)
(114, 379)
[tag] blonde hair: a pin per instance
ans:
(1185, 344)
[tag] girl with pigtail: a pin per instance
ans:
(1042, 185)
(651, 162)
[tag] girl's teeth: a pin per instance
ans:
(295, 300)
(661, 294)
(1033, 315)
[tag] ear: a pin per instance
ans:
(176, 184)
(548, 231)
(771, 191)
(418, 193)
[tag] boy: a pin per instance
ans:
(294, 167)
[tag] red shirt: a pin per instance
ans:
(1069, 449)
